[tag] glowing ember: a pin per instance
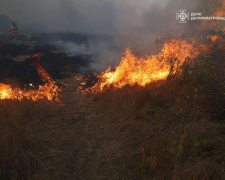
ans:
(141, 71)
(47, 91)
(79, 78)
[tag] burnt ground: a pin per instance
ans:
(14, 63)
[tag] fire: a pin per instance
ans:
(141, 71)
(6, 92)
(79, 78)
(220, 41)
(218, 11)
(48, 91)
(213, 38)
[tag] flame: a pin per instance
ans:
(134, 70)
(220, 41)
(141, 71)
(218, 11)
(79, 78)
(48, 91)
(213, 38)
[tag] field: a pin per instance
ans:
(169, 129)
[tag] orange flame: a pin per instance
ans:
(220, 41)
(218, 11)
(141, 71)
(47, 91)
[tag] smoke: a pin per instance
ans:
(99, 16)
(71, 48)
(132, 23)
(102, 53)
(105, 54)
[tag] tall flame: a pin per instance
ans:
(143, 70)
(48, 91)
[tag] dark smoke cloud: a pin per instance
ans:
(132, 23)
(98, 16)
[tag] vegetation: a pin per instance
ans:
(171, 129)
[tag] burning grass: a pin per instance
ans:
(49, 90)
(173, 129)
(31, 133)
(147, 119)
(134, 70)
(169, 130)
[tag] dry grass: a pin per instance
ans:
(168, 130)
(162, 136)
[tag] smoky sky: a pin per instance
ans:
(99, 16)
(132, 23)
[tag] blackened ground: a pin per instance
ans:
(13, 49)
(55, 61)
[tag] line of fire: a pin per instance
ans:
(117, 89)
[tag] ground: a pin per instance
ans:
(72, 140)
(116, 135)
(173, 129)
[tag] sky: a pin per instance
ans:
(131, 23)
(96, 16)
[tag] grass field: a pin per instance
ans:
(171, 129)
